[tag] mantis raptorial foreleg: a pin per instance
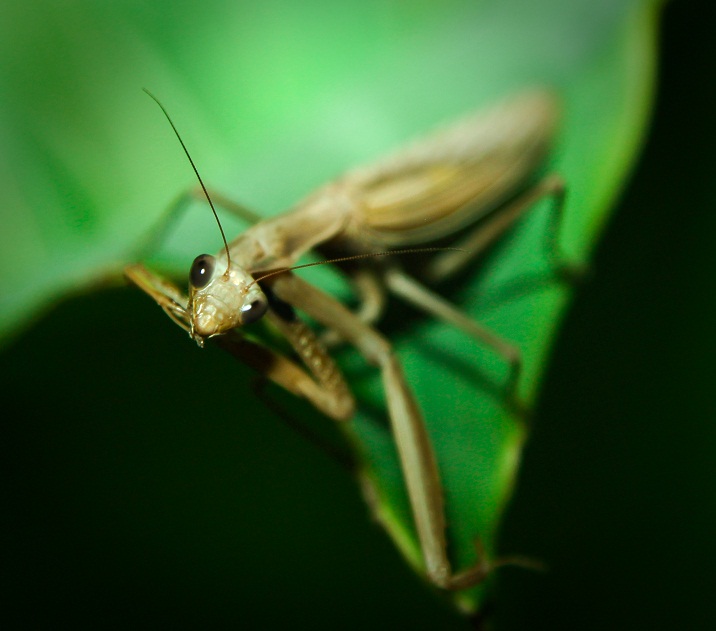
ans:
(324, 387)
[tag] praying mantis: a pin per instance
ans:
(465, 185)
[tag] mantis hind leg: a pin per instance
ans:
(447, 264)
(411, 291)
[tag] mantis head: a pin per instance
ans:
(221, 297)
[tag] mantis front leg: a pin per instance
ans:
(415, 451)
(323, 386)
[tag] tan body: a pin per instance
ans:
(471, 180)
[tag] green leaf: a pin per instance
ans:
(276, 98)
(607, 93)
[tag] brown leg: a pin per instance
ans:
(371, 301)
(413, 443)
(413, 292)
(446, 264)
(176, 209)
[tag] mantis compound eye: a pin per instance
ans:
(254, 310)
(201, 270)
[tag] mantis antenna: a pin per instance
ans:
(198, 177)
(354, 257)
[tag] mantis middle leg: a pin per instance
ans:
(176, 209)
(415, 451)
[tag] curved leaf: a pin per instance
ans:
(278, 98)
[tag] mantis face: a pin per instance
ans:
(221, 298)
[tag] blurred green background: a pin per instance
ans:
(127, 504)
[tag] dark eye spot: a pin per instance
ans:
(253, 311)
(201, 270)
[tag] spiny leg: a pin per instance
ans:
(327, 392)
(323, 385)
(414, 447)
